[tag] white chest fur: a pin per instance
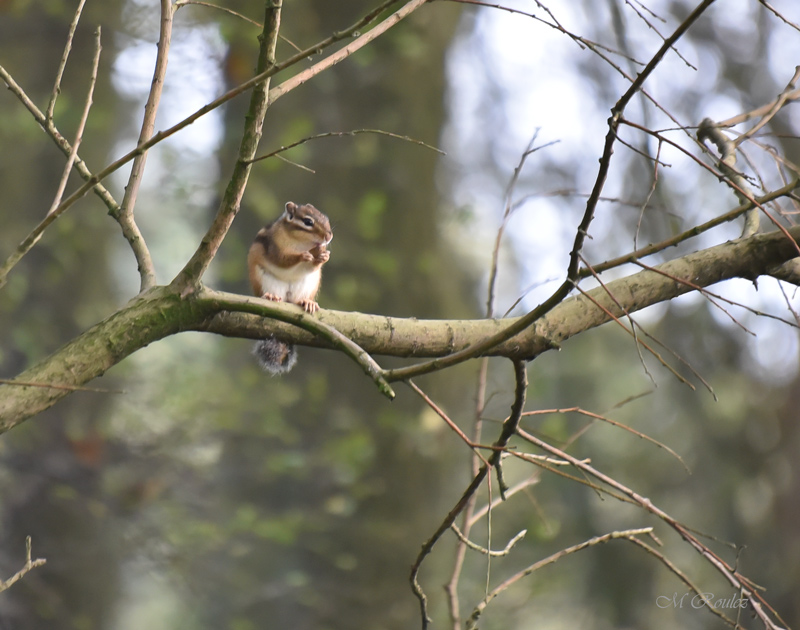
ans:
(299, 282)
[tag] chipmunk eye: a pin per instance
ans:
(308, 222)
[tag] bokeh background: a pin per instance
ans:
(210, 496)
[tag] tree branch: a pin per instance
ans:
(161, 312)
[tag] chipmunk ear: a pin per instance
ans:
(291, 207)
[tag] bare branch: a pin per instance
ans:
(69, 388)
(189, 277)
(572, 274)
(779, 14)
(509, 206)
(451, 588)
(107, 343)
(614, 423)
(788, 272)
(789, 93)
(518, 487)
(183, 3)
(129, 228)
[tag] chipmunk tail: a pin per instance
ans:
(275, 356)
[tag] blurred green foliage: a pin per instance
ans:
(299, 502)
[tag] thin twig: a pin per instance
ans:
(779, 15)
(488, 552)
(648, 197)
(702, 292)
(652, 27)
(516, 488)
(633, 325)
(183, 3)
(296, 164)
(451, 588)
(510, 206)
(597, 540)
(354, 132)
(681, 576)
(51, 106)
(512, 184)
(209, 5)
(708, 129)
(26, 245)
(783, 98)
(29, 564)
(440, 412)
(613, 423)
(555, 24)
(61, 142)
(62, 184)
(718, 175)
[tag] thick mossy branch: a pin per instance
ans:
(162, 312)
(154, 315)
(420, 338)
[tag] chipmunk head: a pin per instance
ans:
(307, 224)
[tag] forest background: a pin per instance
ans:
(208, 495)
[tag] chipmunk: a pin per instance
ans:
(285, 264)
